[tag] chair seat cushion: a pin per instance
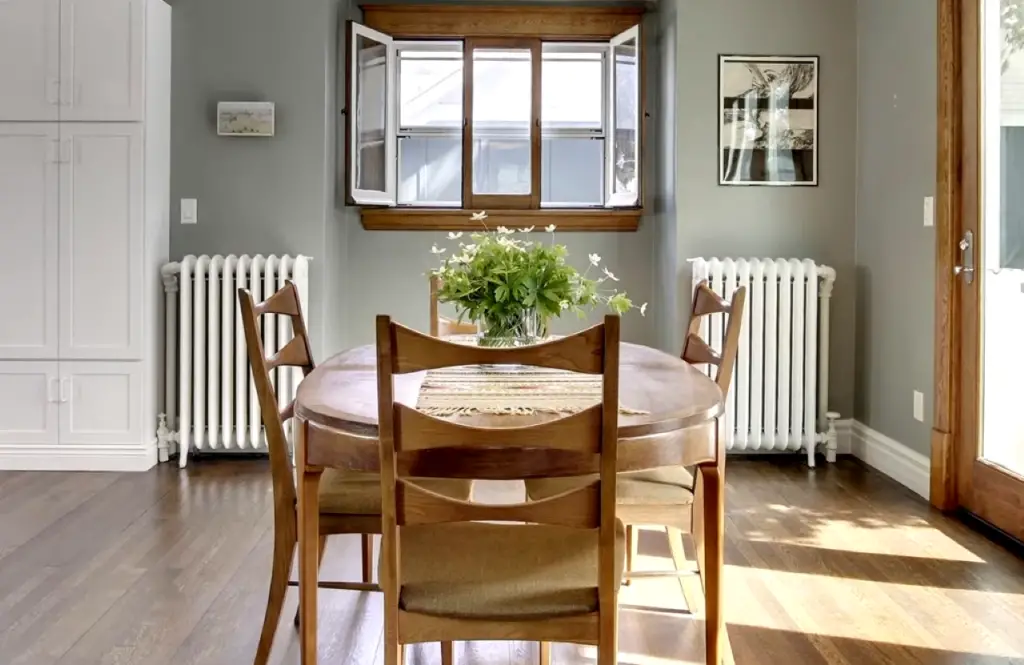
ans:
(358, 493)
(501, 571)
(664, 486)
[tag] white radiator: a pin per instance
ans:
(779, 395)
(210, 399)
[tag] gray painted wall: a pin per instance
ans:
(896, 109)
(801, 222)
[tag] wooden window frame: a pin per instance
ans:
(508, 27)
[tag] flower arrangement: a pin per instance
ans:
(512, 287)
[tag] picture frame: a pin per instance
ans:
(245, 118)
(768, 120)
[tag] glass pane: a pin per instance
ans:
(430, 170)
(1001, 252)
(370, 96)
(430, 86)
(626, 134)
(502, 91)
(572, 87)
(572, 172)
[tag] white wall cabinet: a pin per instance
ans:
(29, 60)
(29, 154)
(101, 241)
(72, 60)
(85, 220)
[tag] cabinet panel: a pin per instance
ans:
(28, 403)
(29, 59)
(28, 249)
(101, 403)
(101, 241)
(101, 60)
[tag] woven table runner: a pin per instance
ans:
(508, 390)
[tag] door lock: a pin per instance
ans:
(966, 267)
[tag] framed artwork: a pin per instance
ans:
(245, 118)
(768, 120)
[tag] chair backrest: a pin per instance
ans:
(296, 353)
(696, 351)
(441, 326)
(415, 445)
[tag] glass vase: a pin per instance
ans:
(522, 328)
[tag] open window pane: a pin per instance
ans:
(372, 139)
(572, 172)
(502, 99)
(623, 166)
(430, 91)
(573, 112)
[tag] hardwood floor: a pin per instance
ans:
(839, 565)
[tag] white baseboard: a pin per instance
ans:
(77, 458)
(844, 432)
(907, 467)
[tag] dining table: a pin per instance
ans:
(670, 415)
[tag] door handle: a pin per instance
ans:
(966, 268)
(51, 390)
(63, 393)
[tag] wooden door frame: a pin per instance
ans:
(949, 203)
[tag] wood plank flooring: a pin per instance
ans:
(838, 565)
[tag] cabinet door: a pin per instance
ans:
(100, 403)
(101, 241)
(101, 58)
(29, 59)
(28, 239)
(28, 403)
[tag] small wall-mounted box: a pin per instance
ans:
(245, 118)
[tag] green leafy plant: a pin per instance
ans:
(514, 286)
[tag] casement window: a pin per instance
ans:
(543, 128)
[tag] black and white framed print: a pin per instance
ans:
(768, 120)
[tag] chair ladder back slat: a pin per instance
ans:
(511, 463)
(578, 508)
(416, 352)
(696, 350)
(579, 432)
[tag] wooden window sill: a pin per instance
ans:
(434, 219)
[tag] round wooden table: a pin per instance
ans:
(336, 409)
(680, 404)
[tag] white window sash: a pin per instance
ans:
(621, 199)
(387, 197)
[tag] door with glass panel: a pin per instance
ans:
(990, 273)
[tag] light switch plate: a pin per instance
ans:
(188, 211)
(919, 406)
(929, 211)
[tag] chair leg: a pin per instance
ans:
(714, 562)
(320, 558)
(447, 653)
(284, 552)
(631, 550)
(545, 653)
(608, 637)
(394, 654)
(367, 558)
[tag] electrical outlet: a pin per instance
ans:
(188, 211)
(929, 211)
(919, 406)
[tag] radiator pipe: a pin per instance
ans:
(826, 418)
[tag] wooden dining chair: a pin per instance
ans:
(676, 497)
(442, 326)
(450, 569)
(350, 503)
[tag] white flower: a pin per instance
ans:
(454, 236)
(437, 250)
(564, 304)
(594, 259)
(505, 231)
(643, 309)
(550, 228)
(526, 230)
(611, 276)
(470, 249)
(479, 216)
